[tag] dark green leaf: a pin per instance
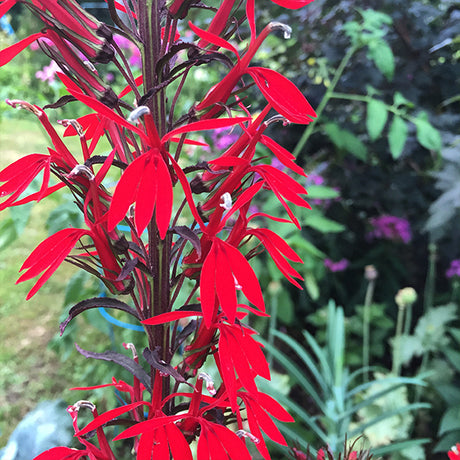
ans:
(450, 420)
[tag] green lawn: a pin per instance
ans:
(29, 370)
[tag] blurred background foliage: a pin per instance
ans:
(383, 160)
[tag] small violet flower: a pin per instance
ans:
(223, 138)
(339, 266)
(453, 270)
(390, 228)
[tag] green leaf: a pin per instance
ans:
(311, 285)
(450, 420)
(399, 99)
(377, 116)
(285, 312)
(354, 145)
(455, 333)
(454, 357)
(7, 233)
(346, 140)
(427, 135)
(301, 244)
(382, 55)
(447, 441)
(409, 347)
(322, 192)
(397, 136)
(324, 225)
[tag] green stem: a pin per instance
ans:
(337, 75)
(408, 319)
(397, 343)
(272, 326)
(366, 99)
(430, 278)
(366, 327)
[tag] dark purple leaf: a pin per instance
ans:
(60, 102)
(127, 268)
(124, 361)
(156, 362)
(96, 302)
(189, 235)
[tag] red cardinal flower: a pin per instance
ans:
(239, 353)
(18, 176)
(225, 271)
(146, 182)
(280, 92)
(258, 407)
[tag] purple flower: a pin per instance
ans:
(454, 269)
(339, 266)
(315, 179)
(390, 228)
(223, 138)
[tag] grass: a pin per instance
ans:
(29, 370)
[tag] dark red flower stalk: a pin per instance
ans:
(170, 236)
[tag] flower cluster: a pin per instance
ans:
(338, 266)
(454, 269)
(390, 228)
(146, 270)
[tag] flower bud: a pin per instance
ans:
(370, 273)
(406, 297)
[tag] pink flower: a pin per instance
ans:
(48, 73)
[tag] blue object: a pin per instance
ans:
(48, 425)
(117, 322)
(6, 26)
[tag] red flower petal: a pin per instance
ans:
(110, 415)
(12, 51)
(61, 453)
(283, 95)
(292, 4)
(214, 39)
(125, 192)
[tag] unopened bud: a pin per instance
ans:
(370, 273)
(406, 297)
(274, 287)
